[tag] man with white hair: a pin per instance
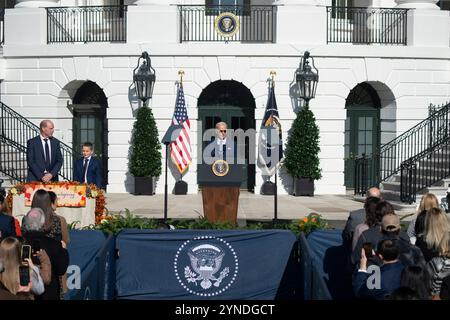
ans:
(33, 232)
(357, 217)
(44, 157)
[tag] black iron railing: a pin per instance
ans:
(15, 131)
(367, 25)
(254, 23)
(424, 170)
(426, 135)
(87, 24)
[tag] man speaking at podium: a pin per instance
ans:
(224, 149)
(219, 178)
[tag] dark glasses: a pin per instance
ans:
(223, 131)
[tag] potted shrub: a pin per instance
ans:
(145, 159)
(302, 153)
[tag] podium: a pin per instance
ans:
(220, 194)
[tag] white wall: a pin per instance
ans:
(36, 86)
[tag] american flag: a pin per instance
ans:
(181, 149)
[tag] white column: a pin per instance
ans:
(36, 3)
(301, 21)
(35, 32)
(153, 21)
(417, 4)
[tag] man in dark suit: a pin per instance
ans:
(357, 217)
(221, 146)
(88, 169)
(44, 156)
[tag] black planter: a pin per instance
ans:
(303, 187)
(268, 188)
(144, 186)
(181, 187)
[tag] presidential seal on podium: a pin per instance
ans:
(220, 168)
(227, 24)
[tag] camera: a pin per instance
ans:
(24, 275)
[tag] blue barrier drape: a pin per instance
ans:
(206, 264)
(333, 264)
(91, 257)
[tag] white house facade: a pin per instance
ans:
(378, 74)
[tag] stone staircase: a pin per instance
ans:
(391, 188)
(12, 161)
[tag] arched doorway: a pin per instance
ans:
(90, 123)
(232, 102)
(362, 127)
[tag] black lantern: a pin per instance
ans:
(307, 78)
(144, 78)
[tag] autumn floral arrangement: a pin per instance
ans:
(311, 222)
(92, 192)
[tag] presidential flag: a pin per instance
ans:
(270, 138)
(181, 151)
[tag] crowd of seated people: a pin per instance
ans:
(33, 254)
(389, 263)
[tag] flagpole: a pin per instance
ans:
(275, 192)
(181, 74)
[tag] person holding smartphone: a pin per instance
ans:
(19, 274)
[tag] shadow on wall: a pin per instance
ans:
(133, 99)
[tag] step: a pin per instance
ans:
(397, 204)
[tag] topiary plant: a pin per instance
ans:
(145, 160)
(302, 148)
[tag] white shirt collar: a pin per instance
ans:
(221, 141)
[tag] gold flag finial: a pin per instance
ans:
(181, 74)
(273, 73)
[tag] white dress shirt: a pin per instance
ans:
(87, 168)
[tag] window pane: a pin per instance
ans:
(361, 123)
(347, 124)
(91, 122)
(361, 149)
(361, 137)
(83, 136)
(369, 123)
(83, 122)
(369, 135)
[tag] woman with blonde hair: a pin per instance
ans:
(417, 225)
(437, 225)
(439, 267)
(10, 249)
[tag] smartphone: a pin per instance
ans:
(26, 253)
(35, 248)
(368, 249)
(24, 275)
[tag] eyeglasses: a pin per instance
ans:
(223, 131)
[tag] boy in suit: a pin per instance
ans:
(88, 169)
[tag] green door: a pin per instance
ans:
(89, 126)
(236, 118)
(362, 135)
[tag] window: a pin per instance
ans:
(215, 7)
(340, 9)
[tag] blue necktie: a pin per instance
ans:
(47, 156)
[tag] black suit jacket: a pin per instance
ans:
(7, 226)
(36, 159)
(94, 172)
(59, 258)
